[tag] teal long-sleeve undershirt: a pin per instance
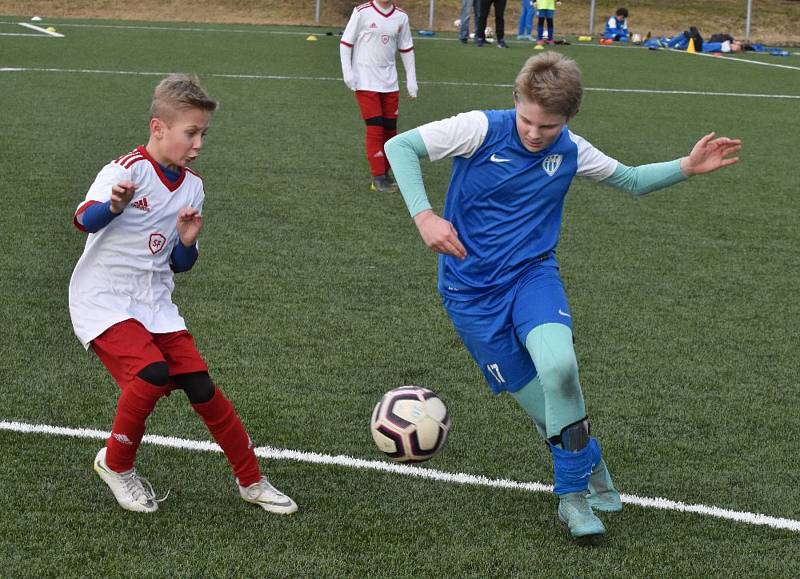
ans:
(405, 150)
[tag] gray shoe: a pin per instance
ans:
(383, 184)
(602, 494)
(575, 512)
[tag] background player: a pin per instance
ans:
(498, 273)
(376, 30)
(143, 215)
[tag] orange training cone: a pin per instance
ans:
(690, 48)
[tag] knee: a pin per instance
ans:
(559, 372)
(198, 386)
(156, 373)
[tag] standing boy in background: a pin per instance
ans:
(498, 272)
(143, 214)
(545, 11)
(375, 32)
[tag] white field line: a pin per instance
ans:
(40, 29)
(433, 83)
(722, 57)
(22, 34)
(407, 470)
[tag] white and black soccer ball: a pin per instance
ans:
(410, 424)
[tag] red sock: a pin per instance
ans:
(374, 144)
(135, 404)
(387, 134)
(226, 428)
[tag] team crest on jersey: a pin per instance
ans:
(157, 242)
(373, 25)
(385, 39)
(551, 164)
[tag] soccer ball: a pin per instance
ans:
(636, 38)
(410, 424)
(488, 32)
(457, 22)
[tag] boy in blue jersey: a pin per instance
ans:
(498, 273)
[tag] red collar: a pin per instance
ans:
(171, 185)
(378, 10)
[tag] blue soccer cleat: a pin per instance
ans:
(575, 512)
(602, 495)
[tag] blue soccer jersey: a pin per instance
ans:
(504, 201)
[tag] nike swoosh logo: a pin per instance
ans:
(562, 313)
(495, 159)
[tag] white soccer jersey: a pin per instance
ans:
(124, 271)
(375, 37)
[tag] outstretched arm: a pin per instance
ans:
(708, 154)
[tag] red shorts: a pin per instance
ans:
(127, 347)
(378, 104)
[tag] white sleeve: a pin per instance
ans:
(458, 136)
(612, 22)
(350, 33)
(592, 162)
(404, 41)
(108, 176)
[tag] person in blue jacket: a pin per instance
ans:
(617, 26)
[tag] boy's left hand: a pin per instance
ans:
(190, 222)
(710, 154)
(412, 89)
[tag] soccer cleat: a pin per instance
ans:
(602, 495)
(382, 184)
(575, 512)
(268, 497)
(501, 44)
(128, 487)
(479, 42)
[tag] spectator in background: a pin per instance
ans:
(546, 10)
(617, 26)
(499, 22)
(466, 5)
(527, 12)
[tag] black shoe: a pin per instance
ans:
(501, 44)
(480, 42)
(463, 40)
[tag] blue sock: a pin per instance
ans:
(572, 469)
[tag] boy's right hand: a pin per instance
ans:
(439, 234)
(121, 195)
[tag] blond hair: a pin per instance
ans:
(180, 92)
(553, 82)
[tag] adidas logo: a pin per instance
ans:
(373, 25)
(141, 204)
(122, 438)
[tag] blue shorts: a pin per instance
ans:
(494, 326)
(545, 13)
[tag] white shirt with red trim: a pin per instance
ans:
(124, 271)
(374, 37)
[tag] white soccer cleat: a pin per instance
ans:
(128, 487)
(268, 497)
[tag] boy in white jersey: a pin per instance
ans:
(498, 273)
(143, 214)
(375, 32)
